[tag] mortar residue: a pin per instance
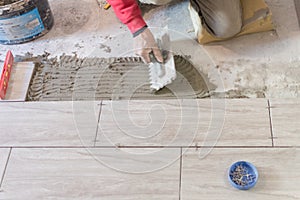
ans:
(73, 78)
(7, 2)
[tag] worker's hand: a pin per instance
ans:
(144, 44)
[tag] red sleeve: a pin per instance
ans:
(129, 13)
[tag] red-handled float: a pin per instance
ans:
(8, 63)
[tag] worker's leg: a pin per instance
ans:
(156, 2)
(223, 18)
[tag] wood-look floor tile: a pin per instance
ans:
(285, 120)
(203, 122)
(97, 174)
(3, 160)
(48, 123)
(19, 81)
(279, 172)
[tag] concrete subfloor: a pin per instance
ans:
(258, 65)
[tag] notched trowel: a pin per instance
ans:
(162, 74)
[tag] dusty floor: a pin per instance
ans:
(258, 65)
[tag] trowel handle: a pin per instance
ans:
(153, 58)
(163, 51)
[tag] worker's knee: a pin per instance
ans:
(226, 25)
(156, 2)
(223, 17)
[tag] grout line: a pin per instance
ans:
(99, 116)
(148, 147)
(297, 7)
(5, 168)
(13, 101)
(271, 124)
(180, 174)
(196, 147)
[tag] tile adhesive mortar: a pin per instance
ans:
(72, 78)
(23, 21)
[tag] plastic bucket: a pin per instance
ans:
(23, 21)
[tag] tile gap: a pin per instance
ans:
(187, 147)
(297, 7)
(5, 168)
(271, 124)
(180, 174)
(149, 147)
(146, 147)
(97, 127)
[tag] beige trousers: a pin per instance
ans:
(222, 18)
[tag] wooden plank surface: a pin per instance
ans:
(285, 120)
(202, 122)
(19, 81)
(80, 174)
(279, 173)
(48, 123)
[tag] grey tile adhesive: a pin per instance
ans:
(72, 78)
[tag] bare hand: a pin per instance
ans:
(144, 44)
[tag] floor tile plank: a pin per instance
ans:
(285, 121)
(97, 174)
(202, 122)
(19, 81)
(3, 160)
(48, 123)
(279, 170)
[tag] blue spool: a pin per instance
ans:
(243, 175)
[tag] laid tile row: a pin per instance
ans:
(172, 123)
(108, 173)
